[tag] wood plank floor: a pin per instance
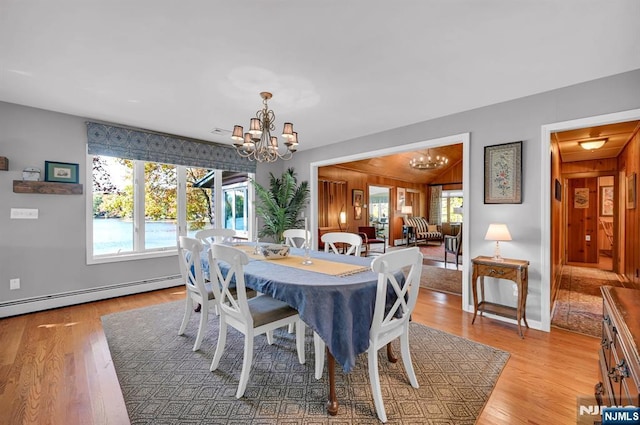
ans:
(55, 366)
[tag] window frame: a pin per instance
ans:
(139, 213)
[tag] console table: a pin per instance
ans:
(515, 270)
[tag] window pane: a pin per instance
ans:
(160, 205)
(200, 203)
(112, 205)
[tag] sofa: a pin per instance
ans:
(423, 231)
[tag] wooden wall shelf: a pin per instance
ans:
(52, 188)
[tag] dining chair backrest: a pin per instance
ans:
(189, 251)
(218, 235)
(386, 265)
(232, 303)
(295, 237)
(351, 243)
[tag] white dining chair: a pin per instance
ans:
(217, 235)
(387, 325)
(198, 291)
(295, 237)
(351, 243)
(252, 317)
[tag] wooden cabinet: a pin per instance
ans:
(4, 163)
(618, 357)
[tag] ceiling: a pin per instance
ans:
(337, 70)
(615, 136)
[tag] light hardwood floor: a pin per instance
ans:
(55, 366)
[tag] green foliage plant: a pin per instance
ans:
(280, 205)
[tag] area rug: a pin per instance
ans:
(441, 280)
(164, 382)
(435, 253)
(578, 306)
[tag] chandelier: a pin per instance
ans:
(427, 162)
(258, 144)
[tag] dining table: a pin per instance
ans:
(334, 296)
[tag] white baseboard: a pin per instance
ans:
(31, 305)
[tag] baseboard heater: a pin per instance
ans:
(64, 299)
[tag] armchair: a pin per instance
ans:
(453, 245)
(369, 236)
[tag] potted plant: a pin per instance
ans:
(280, 205)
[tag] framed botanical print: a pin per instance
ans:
(503, 173)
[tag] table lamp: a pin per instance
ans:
(342, 219)
(407, 209)
(497, 232)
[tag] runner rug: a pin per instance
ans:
(441, 280)
(163, 381)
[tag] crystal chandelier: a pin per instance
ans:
(258, 144)
(427, 162)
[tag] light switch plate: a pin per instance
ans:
(24, 213)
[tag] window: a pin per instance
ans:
(139, 208)
(451, 202)
(236, 208)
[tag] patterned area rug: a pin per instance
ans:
(578, 307)
(441, 280)
(435, 252)
(163, 381)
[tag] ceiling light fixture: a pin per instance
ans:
(427, 162)
(591, 145)
(258, 144)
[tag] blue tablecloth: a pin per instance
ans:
(339, 309)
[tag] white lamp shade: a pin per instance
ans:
(497, 232)
(343, 217)
(407, 209)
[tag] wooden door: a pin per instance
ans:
(582, 220)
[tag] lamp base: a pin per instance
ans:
(497, 259)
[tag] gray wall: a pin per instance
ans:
(520, 119)
(48, 254)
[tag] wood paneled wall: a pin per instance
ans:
(357, 180)
(582, 220)
(557, 221)
(629, 162)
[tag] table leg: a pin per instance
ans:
(392, 358)
(474, 291)
(332, 403)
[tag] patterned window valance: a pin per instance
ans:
(122, 142)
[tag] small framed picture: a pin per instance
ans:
(61, 172)
(631, 191)
(503, 173)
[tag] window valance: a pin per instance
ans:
(122, 142)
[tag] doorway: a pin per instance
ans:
(379, 211)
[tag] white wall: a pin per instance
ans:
(48, 254)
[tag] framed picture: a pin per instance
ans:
(503, 173)
(606, 201)
(401, 196)
(358, 197)
(631, 191)
(581, 197)
(62, 172)
(558, 191)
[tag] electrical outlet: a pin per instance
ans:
(14, 284)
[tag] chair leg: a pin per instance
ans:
(318, 346)
(292, 327)
(374, 379)
(300, 341)
(269, 337)
(246, 364)
(406, 358)
(222, 340)
(188, 308)
(202, 327)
